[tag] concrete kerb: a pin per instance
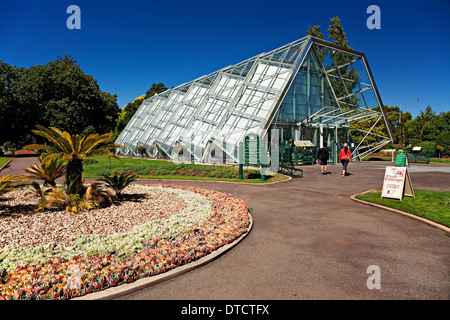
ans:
(127, 288)
(412, 216)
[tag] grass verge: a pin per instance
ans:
(431, 205)
(432, 160)
(163, 169)
(3, 161)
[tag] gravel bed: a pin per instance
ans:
(21, 226)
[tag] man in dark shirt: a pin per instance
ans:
(323, 158)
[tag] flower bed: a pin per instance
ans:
(209, 220)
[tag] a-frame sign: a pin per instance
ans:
(397, 183)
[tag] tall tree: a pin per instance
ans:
(56, 94)
(337, 34)
(75, 100)
(443, 138)
(156, 88)
(430, 127)
(316, 31)
(339, 62)
(16, 118)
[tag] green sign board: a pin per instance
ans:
(401, 159)
(251, 150)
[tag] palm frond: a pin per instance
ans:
(12, 182)
(49, 169)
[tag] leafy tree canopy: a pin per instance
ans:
(57, 94)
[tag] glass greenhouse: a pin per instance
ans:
(309, 89)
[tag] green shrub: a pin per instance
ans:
(118, 182)
(428, 146)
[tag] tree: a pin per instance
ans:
(74, 100)
(339, 60)
(73, 148)
(443, 143)
(16, 118)
(429, 127)
(337, 34)
(397, 120)
(156, 88)
(413, 132)
(427, 146)
(56, 94)
(316, 32)
(344, 80)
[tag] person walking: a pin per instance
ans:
(323, 156)
(345, 156)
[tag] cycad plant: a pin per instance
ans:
(74, 148)
(96, 196)
(11, 182)
(48, 169)
(58, 198)
(118, 182)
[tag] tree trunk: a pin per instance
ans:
(74, 173)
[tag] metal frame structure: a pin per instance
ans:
(218, 110)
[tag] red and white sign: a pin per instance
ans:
(397, 183)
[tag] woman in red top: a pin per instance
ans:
(344, 157)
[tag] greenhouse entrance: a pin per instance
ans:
(319, 135)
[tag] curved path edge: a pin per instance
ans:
(127, 288)
(410, 215)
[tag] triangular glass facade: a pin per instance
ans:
(307, 88)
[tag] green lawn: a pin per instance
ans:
(440, 160)
(389, 158)
(3, 161)
(163, 169)
(432, 205)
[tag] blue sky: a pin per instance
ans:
(128, 45)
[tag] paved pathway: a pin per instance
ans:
(311, 241)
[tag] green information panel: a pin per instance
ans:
(401, 159)
(251, 150)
